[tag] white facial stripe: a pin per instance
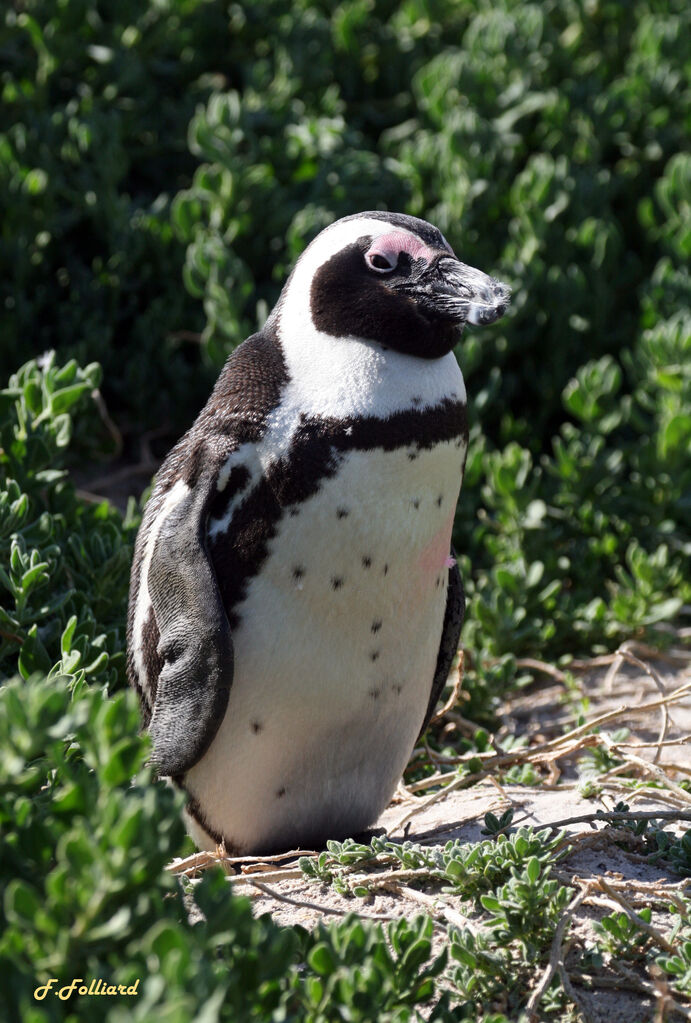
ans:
(346, 376)
(295, 308)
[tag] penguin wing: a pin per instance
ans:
(195, 643)
(450, 634)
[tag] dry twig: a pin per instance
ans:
(457, 675)
(625, 654)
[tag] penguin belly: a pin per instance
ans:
(335, 652)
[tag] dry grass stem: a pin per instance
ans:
(375, 881)
(191, 864)
(457, 677)
(201, 860)
(649, 768)
(671, 655)
(532, 664)
(586, 1015)
(593, 981)
(434, 798)
(438, 907)
(639, 893)
(636, 795)
(683, 740)
(627, 655)
(603, 816)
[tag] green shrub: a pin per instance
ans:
(589, 544)
(64, 563)
(95, 103)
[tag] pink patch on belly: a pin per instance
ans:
(434, 555)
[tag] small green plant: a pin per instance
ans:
(657, 844)
(620, 937)
(679, 854)
(355, 976)
(483, 972)
(466, 869)
(494, 824)
(526, 908)
(678, 964)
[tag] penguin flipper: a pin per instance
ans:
(450, 634)
(195, 643)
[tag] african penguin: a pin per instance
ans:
(295, 604)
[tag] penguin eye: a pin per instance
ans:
(379, 262)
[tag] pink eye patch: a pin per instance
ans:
(390, 245)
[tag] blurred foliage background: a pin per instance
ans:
(162, 165)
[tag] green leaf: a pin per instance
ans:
(21, 902)
(33, 656)
(533, 869)
(321, 960)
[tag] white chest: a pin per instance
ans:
(336, 650)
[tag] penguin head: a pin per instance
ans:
(391, 280)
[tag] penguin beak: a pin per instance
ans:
(451, 290)
(469, 295)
